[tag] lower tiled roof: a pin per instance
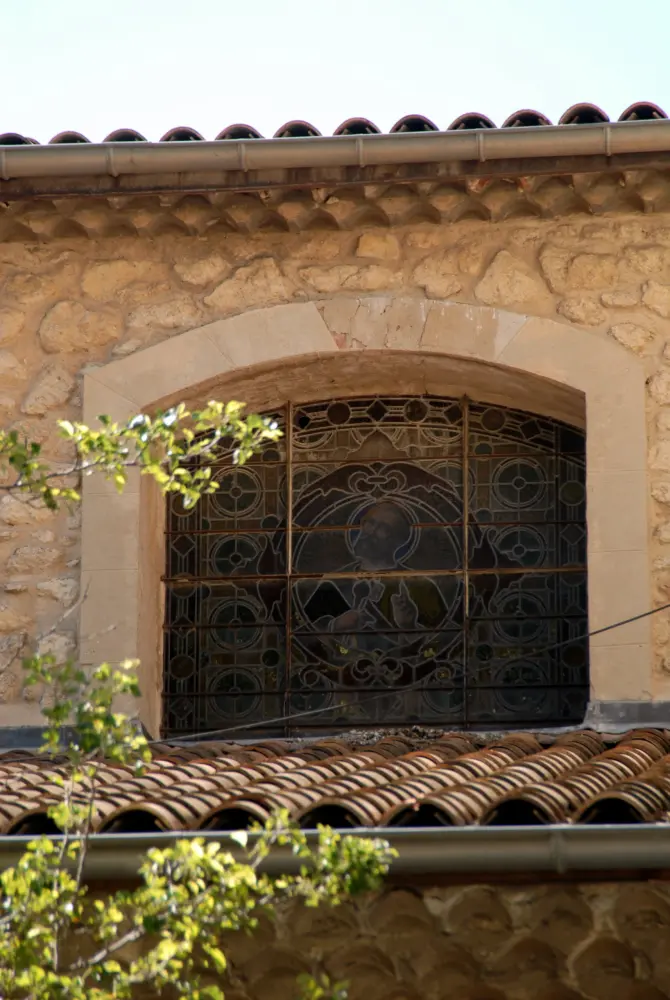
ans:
(404, 779)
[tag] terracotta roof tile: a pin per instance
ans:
(296, 130)
(450, 779)
(435, 202)
(578, 114)
(583, 114)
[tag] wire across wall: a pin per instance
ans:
(426, 550)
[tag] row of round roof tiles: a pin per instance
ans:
(393, 782)
(578, 114)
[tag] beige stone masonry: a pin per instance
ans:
(536, 940)
(304, 353)
(389, 294)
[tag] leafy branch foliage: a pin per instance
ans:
(57, 939)
(172, 447)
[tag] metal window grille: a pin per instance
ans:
(393, 561)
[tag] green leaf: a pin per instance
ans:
(217, 957)
(211, 993)
(151, 923)
(240, 837)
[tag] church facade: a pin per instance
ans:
(468, 357)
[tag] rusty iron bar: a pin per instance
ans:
(373, 574)
(465, 442)
(289, 560)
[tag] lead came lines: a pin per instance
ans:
(379, 564)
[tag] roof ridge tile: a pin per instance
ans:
(577, 114)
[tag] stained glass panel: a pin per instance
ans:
(393, 561)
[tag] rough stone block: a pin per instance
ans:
(69, 327)
(582, 309)
(632, 335)
(657, 298)
(260, 283)
(203, 272)
(179, 312)
(53, 387)
(383, 246)
(509, 281)
(438, 275)
(591, 270)
(28, 558)
(103, 280)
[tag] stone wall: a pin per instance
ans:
(74, 302)
(541, 942)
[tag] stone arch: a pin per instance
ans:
(316, 350)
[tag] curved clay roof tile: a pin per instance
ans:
(659, 737)
(182, 133)
(357, 126)
(642, 111)
(144, 817)
(268, 748)
(68, 137)
(414, 123)
(125, 135)
(526, 118)
(518, 743)
(338, 767)
(642, 801)
(14, 139)
(557, 801)
(578, 114)
(583, 114)
(421, 785)
(460, 744)
(235, 814)
(315, 753)
(333, 745)
(525, 809)
(470, 120)
(296, 130)
(583, 740)
(425, 813)
(577, 777)
(339, 813)
(33, 822)
(239, 132)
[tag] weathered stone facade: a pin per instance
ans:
(540, 941)
(606, 941)
(74, 302)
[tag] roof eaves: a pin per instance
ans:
(473, 851)
(402, 147)
(578, 114)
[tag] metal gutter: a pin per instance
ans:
(479, 145)
(487, 850)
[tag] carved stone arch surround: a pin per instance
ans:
(340, 347)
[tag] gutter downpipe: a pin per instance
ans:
(421, 851)
(481, 145)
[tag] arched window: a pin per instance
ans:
(394, 561)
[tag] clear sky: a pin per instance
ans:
(154, 64)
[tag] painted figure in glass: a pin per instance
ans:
(376, 614)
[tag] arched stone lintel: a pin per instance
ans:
(379, 343)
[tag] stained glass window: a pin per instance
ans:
(393, 561)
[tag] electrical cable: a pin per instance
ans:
(410, 687)
(212, 733)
